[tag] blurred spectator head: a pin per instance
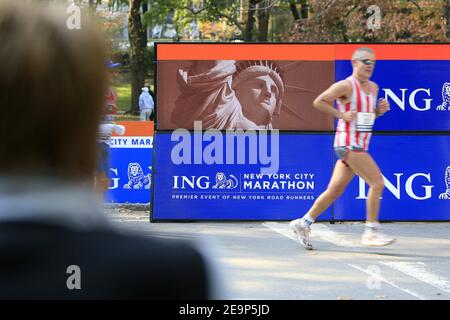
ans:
(112, 65)
(52, 88)
(112, 72)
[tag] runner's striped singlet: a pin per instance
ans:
(346, 134)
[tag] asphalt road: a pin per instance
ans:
(262, 260)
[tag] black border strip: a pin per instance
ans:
(152, 189)
(155, 86)
(155, 123)
(296, 43)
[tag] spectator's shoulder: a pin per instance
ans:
(145, 245)
(174, 269)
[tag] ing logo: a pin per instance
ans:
(223, 183)
(136, 177)
(445, 98)
(446, 195)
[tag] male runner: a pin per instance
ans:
(356, 111)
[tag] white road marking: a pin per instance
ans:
(418, 271)
(323, 232)
(379, 277)
(281, 228)
(320, 231)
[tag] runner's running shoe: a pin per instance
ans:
(302, 232)
(376, 239)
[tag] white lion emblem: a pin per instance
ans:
(223, 183)
(136, 178)
(445, 98)
(446, 194)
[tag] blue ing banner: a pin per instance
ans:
(417, 90)
(233, 188)
(130, 175)
(416, 172)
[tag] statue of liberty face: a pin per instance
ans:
(258, 97)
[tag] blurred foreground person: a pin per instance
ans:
(55, 241)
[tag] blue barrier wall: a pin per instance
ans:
(195, 191)
(130, 175)
(414, 158)
(414, 168)
(131, 164)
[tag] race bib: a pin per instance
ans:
(364, 121)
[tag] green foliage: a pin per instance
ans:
(116, 4)
(123, 96)
(159, 10)
(149, 60)
(186, 11)
(120, 56)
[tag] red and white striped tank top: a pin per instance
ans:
(346, 133)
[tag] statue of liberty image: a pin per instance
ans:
(229, 94)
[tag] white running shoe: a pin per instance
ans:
(302, 231)
(376, 239)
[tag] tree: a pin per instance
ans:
(293, 7)
(249, 17)
(447, 18)
(264, 8)
(184, 12)
(138, 46)
(304, 10)
(92, 5)
(250, 21)
(345, 20)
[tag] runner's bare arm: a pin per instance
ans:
(342, 91)
(382, 104)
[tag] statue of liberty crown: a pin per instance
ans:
(246, 69)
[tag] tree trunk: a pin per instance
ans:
(294, 10)
(138, 45)
(263, 21)
(144, 6)
(447, 18)
(343, 30)
(304, 9)
(92, 7)
(248, 36)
